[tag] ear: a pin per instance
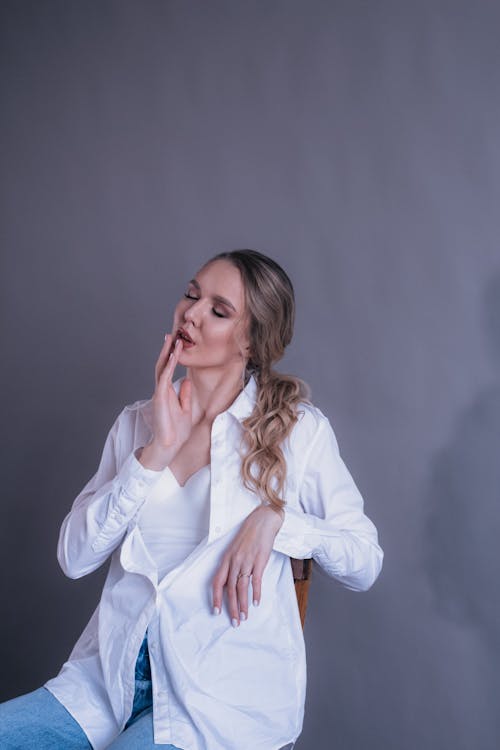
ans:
(244, 339)
(245, 344)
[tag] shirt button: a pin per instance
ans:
(218, 529)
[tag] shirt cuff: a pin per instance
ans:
(135, 480)
(291, 537)
(301, 534)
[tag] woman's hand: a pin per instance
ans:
(172, 421)
(248, 553)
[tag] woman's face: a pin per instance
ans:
(212, 313)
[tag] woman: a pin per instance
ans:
(208, 487)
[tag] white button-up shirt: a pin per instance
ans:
(215, 687)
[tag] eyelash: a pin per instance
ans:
(219, 315)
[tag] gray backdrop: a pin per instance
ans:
(358, 144)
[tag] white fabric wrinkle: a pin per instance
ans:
(200, 701)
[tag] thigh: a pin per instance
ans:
(139, 735)
(38, 721)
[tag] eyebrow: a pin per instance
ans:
(215, 297)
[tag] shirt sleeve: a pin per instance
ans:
(100, 514)
(330, 525)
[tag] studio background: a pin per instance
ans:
(358, 144)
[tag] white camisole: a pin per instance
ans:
(175, 519)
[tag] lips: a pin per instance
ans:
(181, 333)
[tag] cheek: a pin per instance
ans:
(231, 341)
(220, 337)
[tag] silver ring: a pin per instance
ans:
(240, 575)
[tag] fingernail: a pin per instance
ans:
(166, 336)
(234, 622)
(243, 616)
(216, 611)
(255, 603)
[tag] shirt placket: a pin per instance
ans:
(162, 689)
(218, 520)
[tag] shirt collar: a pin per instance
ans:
(244, 403)
(241, 407)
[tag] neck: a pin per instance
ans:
(213, 391)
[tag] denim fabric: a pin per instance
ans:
(138, 731)
(38, 721)
(143, 696)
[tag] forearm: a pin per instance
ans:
(99, 517)
(325, 520)
(351, 555)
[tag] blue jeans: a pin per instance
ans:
(38, 721)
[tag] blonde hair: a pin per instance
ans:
(270, 310)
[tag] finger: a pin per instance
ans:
(166, 376)
(218, 583)
(232, 597)
(242, 585)
(163, 356)
(258, 569)
(174, 358)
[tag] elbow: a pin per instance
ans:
(68, 566)
(69, 561)
(64, 558)
(365, 575)
(73, 570)
(77, 559)
(372, 569)
(73, 574)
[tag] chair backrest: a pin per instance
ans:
(302, 570)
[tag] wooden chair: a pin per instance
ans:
(302, 570)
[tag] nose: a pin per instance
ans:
(193, 313)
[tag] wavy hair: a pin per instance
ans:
(270, 311)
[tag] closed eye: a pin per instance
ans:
(219, 315)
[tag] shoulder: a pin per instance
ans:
(140, 407)
(310, 422)
(310, 416)
(132, 427)
(132, 415)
